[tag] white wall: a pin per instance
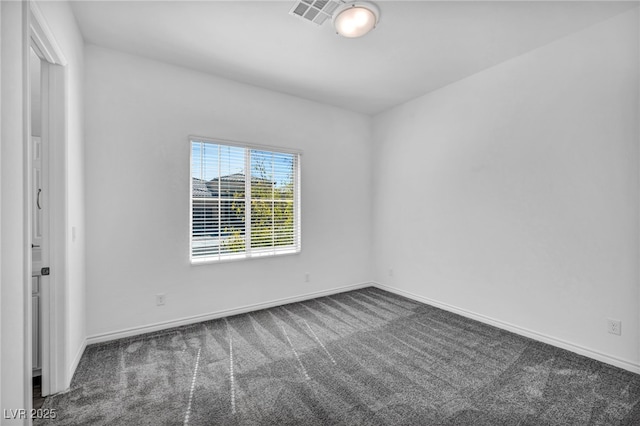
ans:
(36, 105)
(139, 114)
(12, 310)
(62, 23)
(513, 194)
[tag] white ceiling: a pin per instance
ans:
(417, 47)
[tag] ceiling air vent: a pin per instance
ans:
(316, 11)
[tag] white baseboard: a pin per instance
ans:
(563, 344)
(134, 331)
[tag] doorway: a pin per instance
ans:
(45, 148)
(39, 220)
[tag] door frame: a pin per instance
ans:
(54, 135)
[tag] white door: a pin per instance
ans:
(38, 242)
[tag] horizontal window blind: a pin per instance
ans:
(244, 202)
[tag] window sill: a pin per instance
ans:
(237, 258)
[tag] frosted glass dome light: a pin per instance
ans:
(355, 19)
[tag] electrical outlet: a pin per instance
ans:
(160, 299)
(614, 326)
(307, 277)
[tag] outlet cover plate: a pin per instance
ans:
(614, 326)
(160, 299)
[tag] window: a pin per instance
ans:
(237, 214)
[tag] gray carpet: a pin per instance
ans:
(365, 357)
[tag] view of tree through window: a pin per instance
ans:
(240, 214)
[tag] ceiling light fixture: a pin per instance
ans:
(356, 19)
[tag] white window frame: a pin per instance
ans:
(249, 253)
